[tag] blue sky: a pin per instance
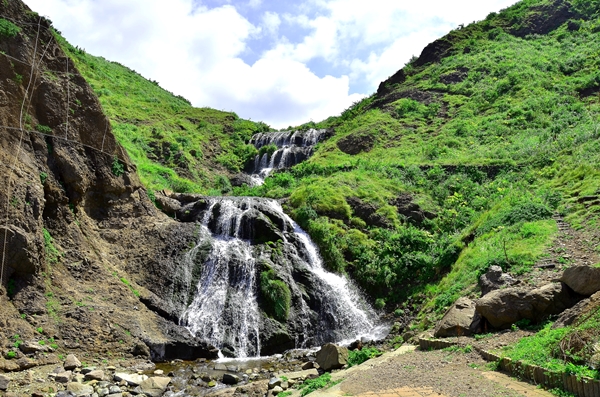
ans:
(284, 63)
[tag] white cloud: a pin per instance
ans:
(198, 52)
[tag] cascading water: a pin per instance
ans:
(293, 147)
(226, 310)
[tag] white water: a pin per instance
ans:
(225, 311)
(289, 146)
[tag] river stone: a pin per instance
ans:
(459, 320)
(274, 382)
(220, 367)
(63, 377)
(277, 390)
(131, 379)
(230, 379)
(80, 389)
(71, 362)
(504, 307)
(97, 374)
(584, 280)
(332, 357)
(494, 279)
(4, 381)
(154, 387)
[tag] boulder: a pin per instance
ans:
(332, 357)
(154, 387)
(97, 374)
(584, 280)
(230, 379)
(80, 389)
(460, 320)
(494, 279)
(131, 379)
(504, 307)
(582, 308)
(34, 347)
(63, 377)
(71, 362)
(4, 381)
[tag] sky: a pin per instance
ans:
(281, 62)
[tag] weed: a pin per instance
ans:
(40, 330)
(357, 357)
(117, 167)
(52, 254)
(322, 382)
(8, 29)
(11, 354)
(43, 129)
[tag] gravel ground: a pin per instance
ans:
(452, 374)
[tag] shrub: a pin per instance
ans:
(8, 29)
(357, 357)
(11, 354)
(117, 167)
(44, 129)
(269, 149)
(276, 296)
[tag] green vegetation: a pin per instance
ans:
(357, 357)
(8, 29)
(174, 145)
(276, 296)
(11, 354)
(43, 129)
(127, 283)
(322, 382)
(52, 254)
(546, 349)
(117, 167)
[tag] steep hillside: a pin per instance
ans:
(174, 145)
(460, 159)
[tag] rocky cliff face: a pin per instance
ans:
(80, 229)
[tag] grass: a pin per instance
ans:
(357, 357)
(322, 382)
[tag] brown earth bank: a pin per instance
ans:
(81, 238)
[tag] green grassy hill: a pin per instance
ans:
(174, 145)
(460, 161)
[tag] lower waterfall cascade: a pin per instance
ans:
(231, 251)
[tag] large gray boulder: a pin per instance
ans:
(584, 280)
(4, 381)
(332, 357)
(494, 279)
(504, 307)
(155, 386)
(460, 320)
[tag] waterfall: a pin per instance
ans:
(293, 147)
(225, 310)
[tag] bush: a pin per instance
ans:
(8, 29)
(276, 296)
(357, 357)
(117, 167)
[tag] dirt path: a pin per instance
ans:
(411, 373)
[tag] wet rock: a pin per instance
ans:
(504, 307)
(71, 362)
(459, 320)
(332, 357)
(584, 280)
(494, 279)
(230, 379)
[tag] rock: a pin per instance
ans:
(155, 387)
(357, 142)
(582, 308)
(584, 280)
(274, 382)
(459, 320)
(504, 307)
(140, 349)
(332, 357)
(114, 389)
(212, 383)
(494, 279)
(356, 345)
(65, 393)
(230, 379)
(97, 374)
(4, 381)
(71, 362)
(87, 370)
(34, 347)
(308, 365)
(25, 363)
(277, 390)
(130, 379)
(80, 389)
(220, 367)
(8, 365)
(63, 377)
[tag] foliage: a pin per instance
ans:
(127, 283)
(117, 168)
(52, 254)
(357, 357)
(8, 29)
(322, 382)
(276, 296)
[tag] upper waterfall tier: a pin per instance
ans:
(292, 147)
(260, 284)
